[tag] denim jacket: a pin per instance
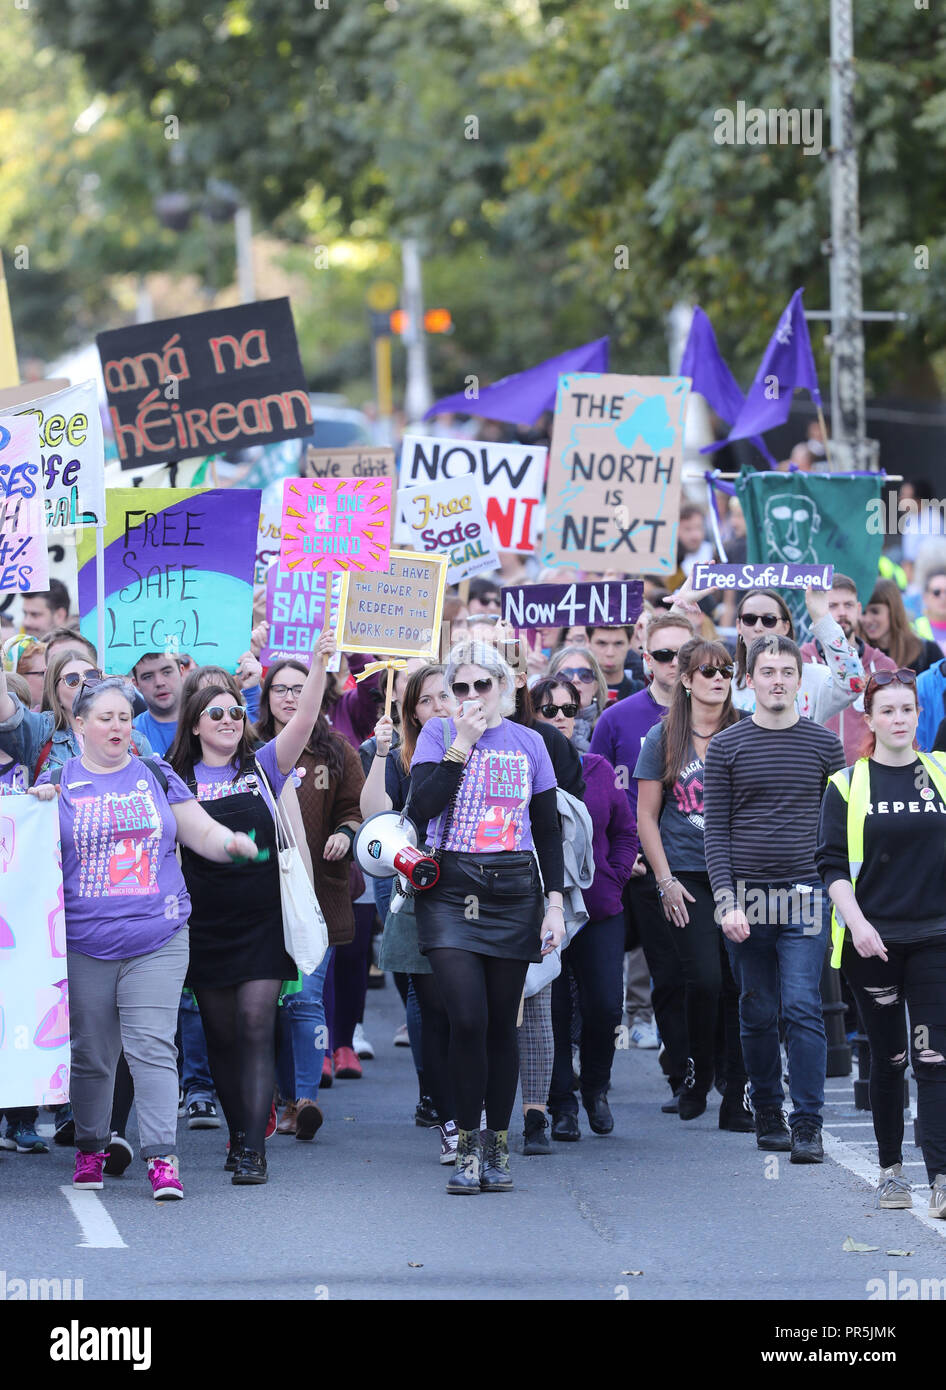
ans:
(23, 735)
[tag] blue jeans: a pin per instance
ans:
(196, 1080)
(780, 964)
(302, 1037)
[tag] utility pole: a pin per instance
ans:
(417, 392)
(850, 448)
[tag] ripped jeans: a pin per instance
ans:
(914, 978)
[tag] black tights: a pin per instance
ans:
(481, 994)
(435, 1044)
(240, 1027)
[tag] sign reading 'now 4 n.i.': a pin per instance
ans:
(335, 525)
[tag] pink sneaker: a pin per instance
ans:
(162, 1174)
(88, 1171)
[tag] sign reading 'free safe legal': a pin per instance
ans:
(178, 575)
(335, 524)
(70, 472)
(205, 383)
(396, 613)
(761, 577)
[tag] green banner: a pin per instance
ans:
(812, 519)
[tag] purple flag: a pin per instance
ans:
(787, 364)
(704, 363)
(520, 399)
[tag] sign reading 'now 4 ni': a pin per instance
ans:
(509, 477)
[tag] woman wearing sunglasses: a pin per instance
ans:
(47, 737)
(126, 915)
(329, 781)
(238, 957)
(580, 666)
(669, 776)
(595, 955)
(882, 856)
(488, 801)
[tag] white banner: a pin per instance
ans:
(510, 478)
(73, 455)
(34, 993)
(447, 518)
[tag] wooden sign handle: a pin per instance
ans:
(389, 693)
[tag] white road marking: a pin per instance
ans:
(862, 1168)
(96, 1225)
(852, 1124)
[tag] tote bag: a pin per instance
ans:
(304, 929)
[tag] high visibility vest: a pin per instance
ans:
(922, 628)
(854, 785)
(889, 569)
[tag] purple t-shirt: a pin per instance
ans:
(14, 778)
(123, 889)
(507, 767)
(619, 736)
(216, 782)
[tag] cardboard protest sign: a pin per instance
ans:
(509, 477)
(34, 993)
(396, 613)
(607, 604)
(761, 577)
(178, 575)
(298, 607)
(72, 454)
(205, 383)
(335, 524)
(447, 518)
(24, 564)
(615, 473)
(359, 461)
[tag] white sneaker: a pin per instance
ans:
(644, 1035)
(402, 1037)
(449, 1136)
(938, 1198)
(894, 1191)
(361, 1044)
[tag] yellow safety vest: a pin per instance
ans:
(922, 628)
(889, 569)
(854, 785)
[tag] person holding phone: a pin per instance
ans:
(486, 790)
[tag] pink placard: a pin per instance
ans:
(24, 560)
(333, 524)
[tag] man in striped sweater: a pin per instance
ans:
(763, 783)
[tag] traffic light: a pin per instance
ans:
(438, 321)
(399, 322)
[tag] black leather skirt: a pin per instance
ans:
(488, 903)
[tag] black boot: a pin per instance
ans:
(692, 1099)
(534, 1138)
(495, 1176)
(234, 1152)
(599, 1113)
(466, 1175)
(251, 1169)
(735, 1113)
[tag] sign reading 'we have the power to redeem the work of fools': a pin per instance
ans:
(615, 473)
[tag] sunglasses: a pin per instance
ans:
(578, 673)
(709, 671)
(217, 712)
(550, 711)
(664, 655)
(461, 688)
(904, 676)
(76, 678)
(282, 690)
(766, 619)
(483, 619)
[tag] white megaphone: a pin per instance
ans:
(386, 844)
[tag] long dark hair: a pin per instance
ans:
(678, 723)
(903, 645)
(542, 691)
(186, 751)
(741, 651)
(323, 742)
(410, 725)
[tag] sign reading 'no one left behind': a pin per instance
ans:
(335, 524)
(72, 454)
(776, 576)
(509, 477)
(205, 383)
(397, 613)
(615, 473)
(606, 604)
(178, 575)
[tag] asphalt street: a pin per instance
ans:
(658, 1210)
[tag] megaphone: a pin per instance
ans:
(386, 844)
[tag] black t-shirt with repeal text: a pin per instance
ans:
(901, 888)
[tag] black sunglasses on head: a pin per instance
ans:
(550, 711)
(905, 676)
(461, 688)
(216, 712)
(766, 619)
